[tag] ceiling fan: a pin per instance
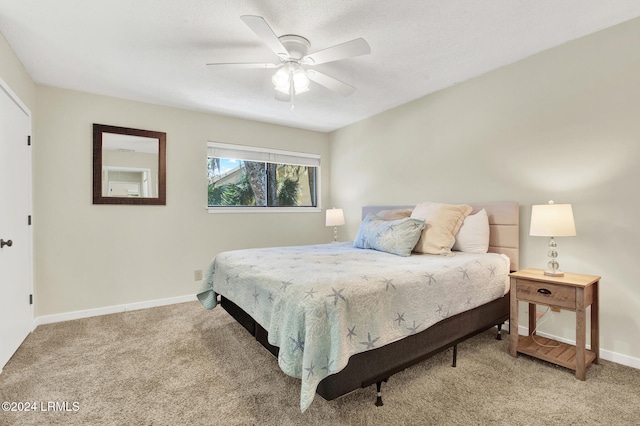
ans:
(293, 75)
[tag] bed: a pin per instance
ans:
(341, 318)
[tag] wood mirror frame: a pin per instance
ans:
(98, 197)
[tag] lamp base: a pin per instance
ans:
(554, 273)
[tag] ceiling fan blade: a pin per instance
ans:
(348, 49)
(330, 83)
(259, 26)
(245, 65)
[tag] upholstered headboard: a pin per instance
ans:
(504, 224)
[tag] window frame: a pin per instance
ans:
(265, 154)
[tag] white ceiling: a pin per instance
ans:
(156, 50)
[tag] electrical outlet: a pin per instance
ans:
(197, 275)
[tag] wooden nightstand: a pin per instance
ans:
(573, 292)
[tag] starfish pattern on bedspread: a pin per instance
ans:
(465, 275)
(311, 300)
(414, 329)
(337, 294)
(328, 366)
(440, 311)
(388, 283)
(286, 284)
(352, 333)
(370, 343)
(430, 278)
(298, 344)
(310, 370)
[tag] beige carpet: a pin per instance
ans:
(182, 365)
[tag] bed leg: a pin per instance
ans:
(499, 336)
(455, 355)
(379, 393)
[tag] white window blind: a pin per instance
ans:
(237, 152)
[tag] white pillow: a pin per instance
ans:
(473, 236)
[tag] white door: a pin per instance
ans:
(16, 315)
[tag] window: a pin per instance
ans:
(254, 178)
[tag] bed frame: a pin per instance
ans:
(377, 365)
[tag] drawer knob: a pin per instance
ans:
(544, 291)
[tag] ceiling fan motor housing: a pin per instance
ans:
(297, 46)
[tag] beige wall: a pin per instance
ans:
(562, 125)
(90, 256)
(14, 74)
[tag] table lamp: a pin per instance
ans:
(552, 220)
(335, 218)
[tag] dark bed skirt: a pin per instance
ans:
(367, 368)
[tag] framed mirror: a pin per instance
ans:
(129, 166)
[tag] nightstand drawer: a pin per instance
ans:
(546, 294)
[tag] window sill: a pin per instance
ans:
(232, 210)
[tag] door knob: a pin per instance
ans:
(5, 243)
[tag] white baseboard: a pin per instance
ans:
(604, 354)
(67, 316)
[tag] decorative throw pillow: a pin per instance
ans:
(473, 236)
(391, 236)
(443, 223)
(394, 214)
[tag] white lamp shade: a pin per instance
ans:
(335, 217)
(552, 220)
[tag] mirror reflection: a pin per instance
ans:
(129, 166)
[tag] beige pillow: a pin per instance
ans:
(443, 223)
(394, 214)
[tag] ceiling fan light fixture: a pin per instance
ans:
(281, 80)
(300, 80)
(291, 72)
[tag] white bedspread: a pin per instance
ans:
(321, 304)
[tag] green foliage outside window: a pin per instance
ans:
(250, 184)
